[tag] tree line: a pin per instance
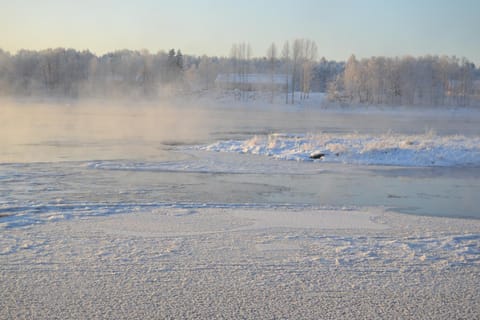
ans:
(70, 73)
(428, 80)
(292, 71)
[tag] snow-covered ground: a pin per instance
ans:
(226, 263)
(366, 149)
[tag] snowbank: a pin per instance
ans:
(389, 149)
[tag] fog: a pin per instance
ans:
(38, 132)
(74, 130)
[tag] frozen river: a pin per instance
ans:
(61, 161)
(131, 211)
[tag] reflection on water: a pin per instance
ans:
(47, 150)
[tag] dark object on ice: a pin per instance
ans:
(317, 155)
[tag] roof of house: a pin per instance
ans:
(252, 78)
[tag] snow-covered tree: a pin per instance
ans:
(428, 80)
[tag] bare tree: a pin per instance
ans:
(272, 59)
(286, 62)
(297, 56)
(310, 53)
(248, 57)
(240, 54)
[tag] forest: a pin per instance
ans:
(293, 71)
(428, 80)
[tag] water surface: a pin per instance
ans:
(62, 161)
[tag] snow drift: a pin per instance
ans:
(426, 149)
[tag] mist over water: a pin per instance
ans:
(86, 130)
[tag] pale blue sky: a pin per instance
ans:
(340, 27)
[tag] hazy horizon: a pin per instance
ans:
(346, 27)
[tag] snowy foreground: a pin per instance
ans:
(387, 149)
(230, 263)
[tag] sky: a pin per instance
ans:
(339, 27)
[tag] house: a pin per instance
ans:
(252, 81)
